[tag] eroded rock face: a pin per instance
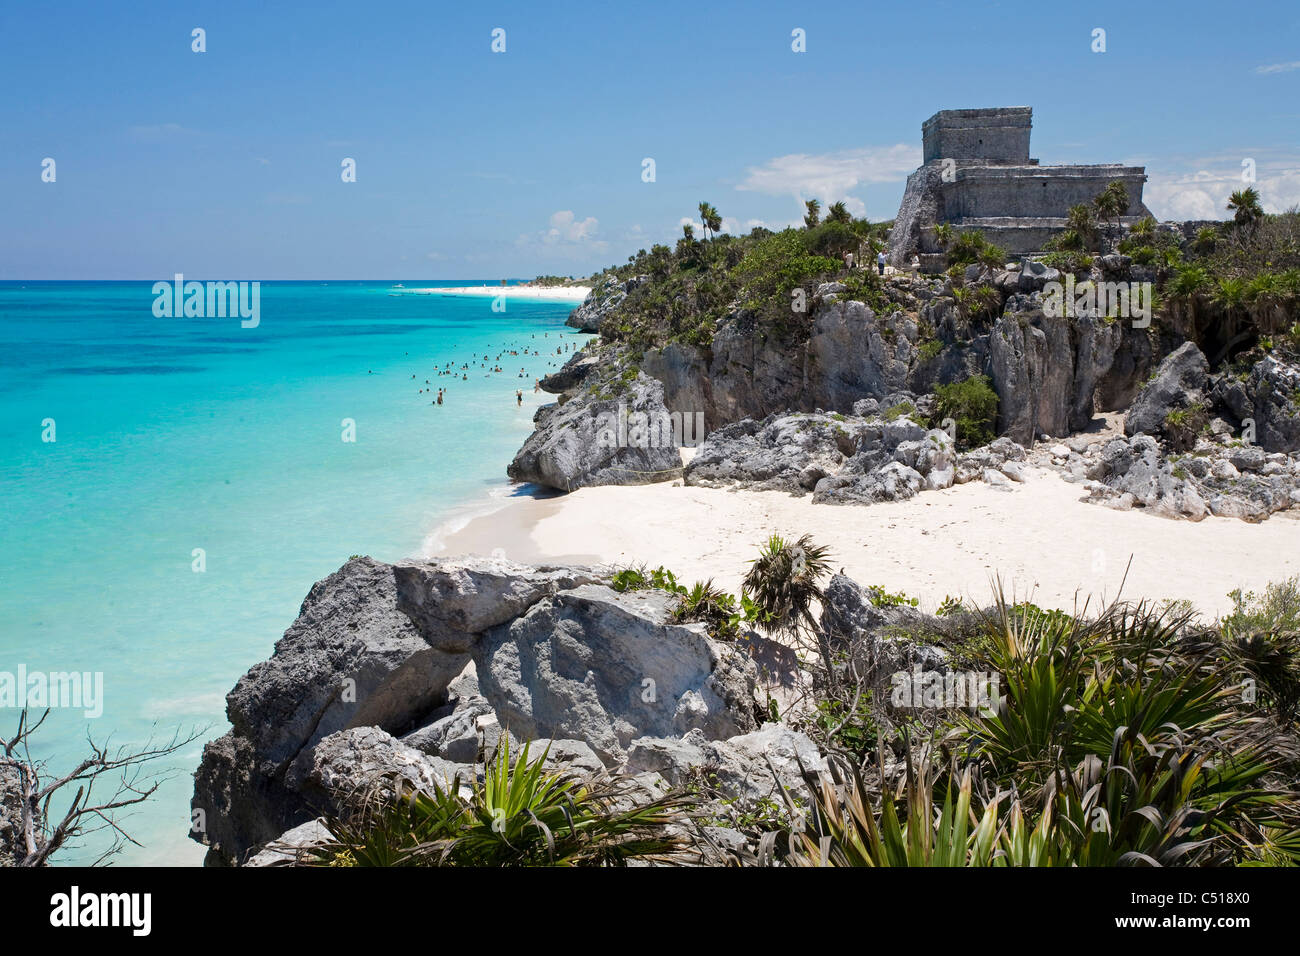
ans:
(1270, 397)
(1179, 382)
(788, 453)
(1136, 467)
(740, 767)
(372, 679)
(595, 665)
(375, 645)
(851, 619)
(600, 302)
(623, 439)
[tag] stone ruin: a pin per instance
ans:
(977, 175)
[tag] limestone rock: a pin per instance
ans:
(594, 665)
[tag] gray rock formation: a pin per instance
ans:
(740, 767)
(620, 436)
(594, 665)
(363, 686)
(788, 453)
(1179, 382)
(1269, 396)
(600, 302)
(374, 645)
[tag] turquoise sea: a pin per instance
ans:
(177, 434)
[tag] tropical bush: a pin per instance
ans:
(521, 814)
(973, 405)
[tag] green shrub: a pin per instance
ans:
(973, 405)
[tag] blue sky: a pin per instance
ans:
(474, 164)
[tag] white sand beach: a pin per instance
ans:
(1039, 537)
(546, 293)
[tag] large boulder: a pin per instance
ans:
(1136, 468)
(853, 354)
(783, 453)
(1269, 396)
(762, 767)
(595, 665)
(1178, 382)
(616, 433)
(1031, 363)
(875, 630)
(375, 645)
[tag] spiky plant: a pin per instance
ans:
(784, 583)
(520, 814)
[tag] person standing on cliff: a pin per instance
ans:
(880, 261)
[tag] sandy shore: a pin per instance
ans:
(546, 293)
(1037, 536)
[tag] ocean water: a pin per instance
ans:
(177, 434)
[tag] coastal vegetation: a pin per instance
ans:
(696, 285)
(520, 814)
(1139, 735)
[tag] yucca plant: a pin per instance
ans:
(784, 582)
(1132, 727)
(521, 814)
(843, 829)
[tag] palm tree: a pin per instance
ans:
(1080, 220)
(1206, 239)
(838, 212)
(814, 215)
(783, 581)
(710, 219)
(944, 235)
(1244, 204)
(1112, 202)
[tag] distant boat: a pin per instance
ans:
(399, 286)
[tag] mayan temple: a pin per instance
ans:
(978, 175)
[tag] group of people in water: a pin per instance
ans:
(491, 367)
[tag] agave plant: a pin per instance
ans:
(520, 814)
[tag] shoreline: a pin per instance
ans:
(537, 293)
(1045, 544)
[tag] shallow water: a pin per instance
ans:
(177, 434)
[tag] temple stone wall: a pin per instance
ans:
(1031, 191)
(997, 135)
(978, 174)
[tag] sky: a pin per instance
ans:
(228, 163)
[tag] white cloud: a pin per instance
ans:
(565, 227)
(1203, 194)
(566, 234)
(1279, 67)
(832, 177)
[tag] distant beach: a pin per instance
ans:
(574, 293)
